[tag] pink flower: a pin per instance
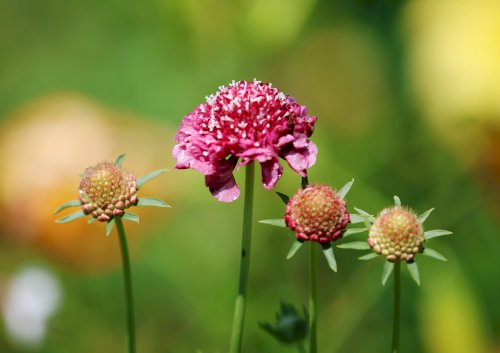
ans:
(245, 122)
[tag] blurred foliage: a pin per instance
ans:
(393, 94)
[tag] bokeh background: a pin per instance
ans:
(407, 95)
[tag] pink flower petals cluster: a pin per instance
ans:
(245, 122)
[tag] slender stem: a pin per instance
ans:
(397, 307)
(312, 299)
(127, 285)
(246, 235)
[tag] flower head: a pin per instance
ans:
(245, 122)
(317, 213)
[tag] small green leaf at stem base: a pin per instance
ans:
(147, 177)
(388, 268)
(72, 203)
(283, 197)
(109, 227)
(368, 256)
(355, 245)
(71, 217)
(330, 257)
(297, 244)
(152, 201)
(423, 217)
(345, 189)
(434, 254)
(415, 274)
(436, 233)
(280, 222)
(352, 231)
(128, 216)
(119, 160)
(397, 201)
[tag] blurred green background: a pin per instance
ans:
(407, 95)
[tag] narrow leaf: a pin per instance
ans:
(274, 222)
(413, 269)
(365, 214)
(328, 251)
(143, 179)
(72, 203)
(424, 215)
(109, 227)
(152, 201)
(351, 231)
(388, 268)
(130, 217)
(369, 256)
(434, 254)
(283, 197)
(345, 189)
(295, 247)
(71, 217)
(397, 200)
(91, 220)
(356, 218)
(355, 245)
(436, 233)
(119, 160)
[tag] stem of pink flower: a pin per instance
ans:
(127, 282)
(239, 310)
(313, 346)
(397, 307)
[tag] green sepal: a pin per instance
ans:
(434, 254)
(72, 203)
(425, 215)
(330, 257)
(91, 220)
(147, 177)
(352, 231)
(119, 160)
(109, 227)
(283, 197)
(355, 245)
(356, 218)
(369, 256)
(397, 200)
(365, 215)
(345, 189)
(128, 216)
(388, 268)
(152, 201)
(71, 217)
(274, 222)
(436, 233)
(415, 274)
(297, 244)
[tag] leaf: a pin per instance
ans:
(356, 218)
(345, 189)
(369, 256)
(295, 247)
(72, 203)
(330, 258)
(91, 220)
(434, 254)
(119, 160)
(365, 214)
(388, 268)
(152, 201)
(436, 233)
(397, 200)
(355, 245)
(424, 215)
(283, 197)
(274, 222)
(147, 177)
(128, 216)
(352, 231)
(413, 269)
(109, 227)
(71, 217)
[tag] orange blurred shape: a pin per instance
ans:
(45, 145)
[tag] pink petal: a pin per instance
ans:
(301, 159)
(222, 184)
(271, 172)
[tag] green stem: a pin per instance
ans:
(397, 307)
(312, 299)
(301, 348)
(239, 309)
(127, 285)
